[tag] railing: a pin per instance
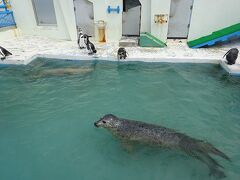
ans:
(6, 14)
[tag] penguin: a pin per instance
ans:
(81, 43)
(4, 53)
(90, 46)
(231, 56)
(122, 53)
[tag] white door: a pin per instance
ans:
(179, 19)
(84, 16)
(44, 12)
(131, 22)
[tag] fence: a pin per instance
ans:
(6, 14)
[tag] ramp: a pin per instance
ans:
(148, 40)
(217, 36)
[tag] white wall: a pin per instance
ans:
(9, 33)
(113, 20)
(84, 16)
(212, 15)
(148, 10)
(66, 25)
(160, 7)
(145, 16)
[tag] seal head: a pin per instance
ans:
(108, 121)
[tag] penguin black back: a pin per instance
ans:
(90, 46)
(122, 53)
(231, 56)
(4, 53)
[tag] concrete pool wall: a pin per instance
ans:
(27, 48)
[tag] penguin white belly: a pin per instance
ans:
(81, 42)
(1, 53)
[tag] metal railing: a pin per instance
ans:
(6, 14)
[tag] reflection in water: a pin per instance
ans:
(48, 68)
(63, 72)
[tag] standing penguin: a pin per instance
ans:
(231, 56)
(90, 46)
(81, 43)
(122, 53)
(4, 53)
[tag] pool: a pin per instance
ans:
(48, 108)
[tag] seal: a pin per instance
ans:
(135, 131)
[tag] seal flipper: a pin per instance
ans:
(217, 173)
(190, 144)
(199, 150)
(212, 164)
(207, 147)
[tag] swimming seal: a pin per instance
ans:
(136, 131)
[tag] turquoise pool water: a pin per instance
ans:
(47, 111)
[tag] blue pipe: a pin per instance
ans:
(117, 9)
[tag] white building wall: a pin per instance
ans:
(160, 7)
(26, 22)
(113, 20)
(6, 33)
(209, 16)
(145, 16)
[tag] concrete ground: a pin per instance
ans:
(27, 48)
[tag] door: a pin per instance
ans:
(84, 16)
(131, 18)
(179, 19)
(44, 12)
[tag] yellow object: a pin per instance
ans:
(101, 31)
(7, 4)
(160, 18)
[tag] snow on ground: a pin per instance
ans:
(27, 48)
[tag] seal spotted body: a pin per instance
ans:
(136, 131)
